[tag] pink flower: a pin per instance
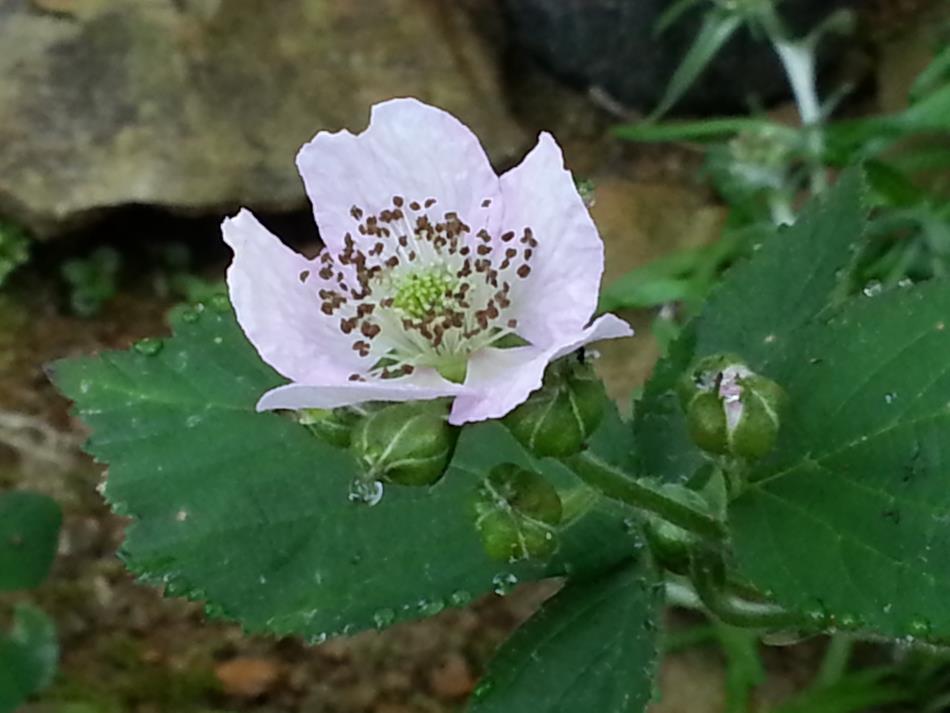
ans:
(432, 266)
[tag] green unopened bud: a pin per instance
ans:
(731, 410)
(671, 545)
(407, 443)
(558, 418)
(335, 426)
(516, 513)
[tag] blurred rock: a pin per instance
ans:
(247, 677)
(611, 46)
(201, 105)
(452, 678)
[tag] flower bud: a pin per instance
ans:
(670, 544)
(408, 443)
(557, 419)
(731, 410)
(516, 513)
(335, 426)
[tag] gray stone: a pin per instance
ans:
(201, 105)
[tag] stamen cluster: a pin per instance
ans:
(427, 292)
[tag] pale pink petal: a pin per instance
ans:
(606, 327)
(497, 381)
(422, 385)
(279, 313)
(410, 150)
(560, 294)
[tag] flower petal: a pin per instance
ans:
(410, 150)
(420, 386)
(279, 313)
(608, 326)
(497, 381)
(560, 294)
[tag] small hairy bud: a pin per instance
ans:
(558, 418)
(334, 426)
(516, 513)
(409, 443)
(731, 410)
(670, 544)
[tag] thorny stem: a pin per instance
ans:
(731, 609)
(643, 494)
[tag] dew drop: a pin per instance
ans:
(503, 583)
(629, 525)
(920, 628)
(430, 607)
(149, 346)
(193, 420)
(485, 686)
(848, 622)
(317, 639)
(889, 397)
(190, 315)
(84, 386)
(459, 598)
(905, 282)
(383, 618)
(366, 492)
(220, 303)
(262, 579)
(873, 288)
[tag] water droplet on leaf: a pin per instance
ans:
(459, 598)
(149, 346)
(430, 607)
(503, 583)
(383, 618)
(366, 492)
(873, 288)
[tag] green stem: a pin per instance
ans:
(734, 610)
(835, 663)
(643, 494)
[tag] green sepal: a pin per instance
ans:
(334, 426)
(557, 419)
(407, 443)
(707, 423)
(757, 430)
(516, 514)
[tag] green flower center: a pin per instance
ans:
(424, 293)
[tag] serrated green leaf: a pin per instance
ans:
(29, 532)
(754, 313)
(250, 511)
(851, 512)
(592, 647)
(28, 657)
